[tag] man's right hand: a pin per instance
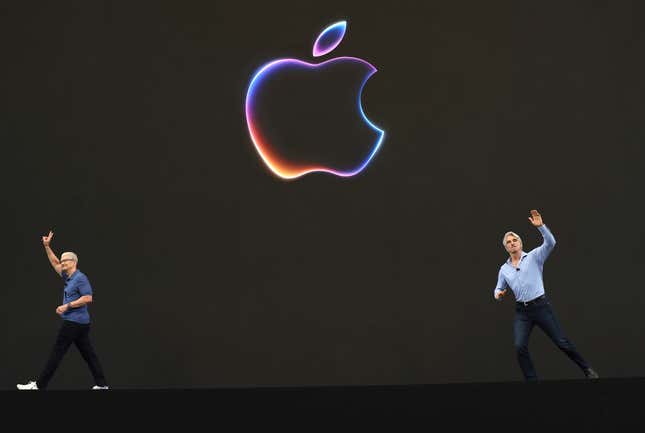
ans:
(499, 295)
(47, 239)
(55, 262)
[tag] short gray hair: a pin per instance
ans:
(71, 255)
(508, 234)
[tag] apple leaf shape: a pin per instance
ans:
(329, 38)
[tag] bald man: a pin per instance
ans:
(77, 295)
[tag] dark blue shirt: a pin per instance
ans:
(76, 286)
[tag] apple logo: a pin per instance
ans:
(289, 161)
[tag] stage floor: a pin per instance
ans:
(585, 405)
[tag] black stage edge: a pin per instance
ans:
(583, 405)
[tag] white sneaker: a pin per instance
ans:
(30, 385)
(100, 387)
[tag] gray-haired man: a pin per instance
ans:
(75, 328)
(522, 272)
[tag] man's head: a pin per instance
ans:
(68, 261)
(512, 242)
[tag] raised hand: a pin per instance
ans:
(536, 218)
(47, 239)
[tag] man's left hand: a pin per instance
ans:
(536, 218)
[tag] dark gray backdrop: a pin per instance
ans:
(124, 132)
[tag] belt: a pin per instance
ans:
(532, 301)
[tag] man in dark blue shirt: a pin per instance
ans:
(75, 328)
(522, 272)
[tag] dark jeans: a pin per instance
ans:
(540, 314)
(72, 332)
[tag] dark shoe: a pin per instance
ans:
(590, 374)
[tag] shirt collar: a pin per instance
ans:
(67, 277)
(521, 257)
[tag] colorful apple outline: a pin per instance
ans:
(327, 41)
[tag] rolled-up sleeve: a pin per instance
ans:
(501, 284)
(543, 251)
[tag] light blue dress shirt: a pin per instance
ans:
(525, 280)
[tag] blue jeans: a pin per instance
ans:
(540, 314)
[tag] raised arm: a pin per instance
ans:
(545, 249)
(50, 254)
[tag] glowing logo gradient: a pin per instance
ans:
(329, 38)
(326, 42)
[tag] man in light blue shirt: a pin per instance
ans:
(522, 272)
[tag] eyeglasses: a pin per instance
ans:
(66, 260)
